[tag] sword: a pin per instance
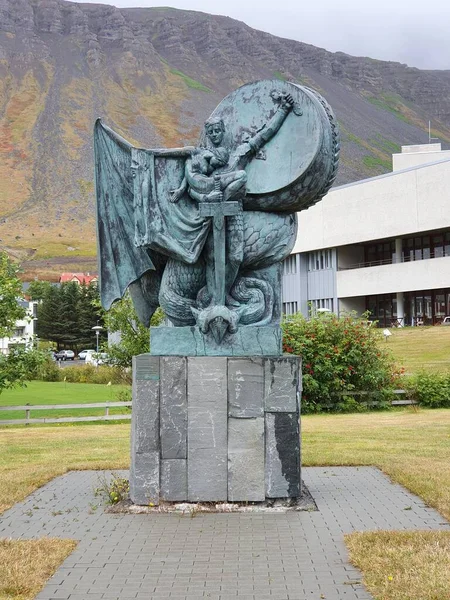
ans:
(218, 211)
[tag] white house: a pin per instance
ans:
(23, 332)
(381, 244)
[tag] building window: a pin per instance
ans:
(320, 260)
(322, 303)
(290, 308)
(426, 246)
(19, 332)
(381, 253)
(290, 265)
(426, 307)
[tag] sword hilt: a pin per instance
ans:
(217, 185)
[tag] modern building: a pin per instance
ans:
(23, 333)
(381, 245)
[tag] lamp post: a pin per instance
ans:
(97, 328)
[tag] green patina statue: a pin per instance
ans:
(201, 231)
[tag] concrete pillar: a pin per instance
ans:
(400, 301)
(400, 309)
(398, 250)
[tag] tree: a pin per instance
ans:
(134, 337)
(38, 289)
(18, 365)
(67, 314)
(10, 292)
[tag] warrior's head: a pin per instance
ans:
(215, 129)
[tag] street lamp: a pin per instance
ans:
(97, 328)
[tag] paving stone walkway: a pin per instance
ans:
(290, 556)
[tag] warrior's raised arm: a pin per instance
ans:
(273, 126)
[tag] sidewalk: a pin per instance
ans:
(290, 556)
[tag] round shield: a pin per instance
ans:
(305, 146)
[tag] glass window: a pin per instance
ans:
(438, 245)
(426, 247)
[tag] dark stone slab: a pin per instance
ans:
(207, 428)
(282, 384)
(282, 455)
(174, 480)
(189, 341)
(246, 460)
(245, 387)
(173, 415)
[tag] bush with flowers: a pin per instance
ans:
(340, 356)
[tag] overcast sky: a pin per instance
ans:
(409, 31)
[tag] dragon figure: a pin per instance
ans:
(201, 231)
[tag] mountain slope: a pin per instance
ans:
(154, 75)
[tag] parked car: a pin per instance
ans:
(82, 354)
(446, 321)
(96, 359)
(65, 355)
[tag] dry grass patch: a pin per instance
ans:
(418, 348)
(403, 565)
(25, 565)
(30, 457)
(411, 446)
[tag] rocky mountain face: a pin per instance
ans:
(154, 75)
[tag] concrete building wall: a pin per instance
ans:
(428, 274)
(412, 156)
(348, 305)
(388, 206)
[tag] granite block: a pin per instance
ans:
(246, 460)
(174, 479)
(173, 409)
(189, 341)
(207, 428)
(282, 455)
(144, 478)
(282, 384)
(245, 387)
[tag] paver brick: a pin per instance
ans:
(216, 556)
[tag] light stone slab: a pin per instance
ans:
(245, 387)
(281, 384)
(173, 410)
(282, 455)
(207, 428)
(144, 478)
(174, 479)
(246, 460)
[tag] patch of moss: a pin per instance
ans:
(386, 145)
(389, 103)
(375, 162)
(192, 83)
(279, 75)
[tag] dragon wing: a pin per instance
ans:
(121, 263)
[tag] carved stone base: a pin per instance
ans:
(215, 429)
(189, 341)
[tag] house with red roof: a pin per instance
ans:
(79, 278)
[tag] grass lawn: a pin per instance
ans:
(411, 446)
(60, 392)
(418, 348)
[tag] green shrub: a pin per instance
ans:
(429, 389)
(340, 355)
(90, 374)
(48, 371)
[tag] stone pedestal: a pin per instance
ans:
(215, 428)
